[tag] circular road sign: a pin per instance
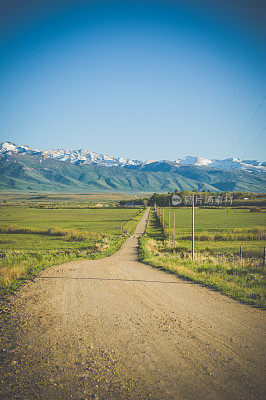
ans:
(176, 200)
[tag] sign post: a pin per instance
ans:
(169, 225)
(174, 229)
(193, 225)
(176, 200)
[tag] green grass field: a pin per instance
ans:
(32, 239)
(225, 230)
(215, 219)
(217, 263)
(104, 221)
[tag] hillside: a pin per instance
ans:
(35, 173)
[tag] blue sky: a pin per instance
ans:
(145, 79)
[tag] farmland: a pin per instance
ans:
(102, 221)
(64, 198)
(36, 235)
(33, 238)
(219, 231)
(219, 234)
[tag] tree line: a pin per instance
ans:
(207, 198)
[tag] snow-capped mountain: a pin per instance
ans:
(189, 160)
(80, 156)
(83, 156)
(86, 157)
(229, 163)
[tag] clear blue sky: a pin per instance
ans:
(144, 79)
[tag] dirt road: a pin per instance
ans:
(118, 329)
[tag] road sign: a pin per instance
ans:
(176, 200)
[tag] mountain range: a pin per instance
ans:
(83, 156)
(26, 169)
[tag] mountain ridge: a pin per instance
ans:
(83, 156)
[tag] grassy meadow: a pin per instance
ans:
(106, 221)
(219, 233)
(32, 238)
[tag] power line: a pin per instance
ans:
(249, 122)
(253, 144)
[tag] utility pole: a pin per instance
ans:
(193, 225)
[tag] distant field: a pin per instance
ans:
(66, 197)
(216, 219)
(213, 222)
(31, 239)
(103, 220)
